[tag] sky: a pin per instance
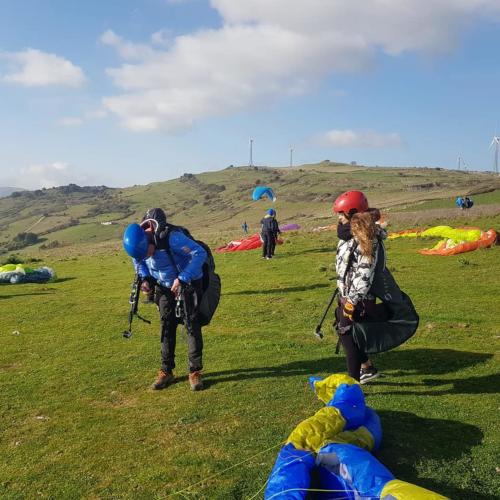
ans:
(123, 92)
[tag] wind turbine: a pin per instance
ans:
(461, 163)
(495, 143)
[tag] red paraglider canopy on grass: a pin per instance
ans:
(249, 243)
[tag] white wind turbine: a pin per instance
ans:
(496, 143)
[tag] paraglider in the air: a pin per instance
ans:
(261, 192)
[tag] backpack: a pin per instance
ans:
(211, 282)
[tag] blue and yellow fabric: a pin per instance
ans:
(328, 454)
(20, 273)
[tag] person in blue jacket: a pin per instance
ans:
(173, 264)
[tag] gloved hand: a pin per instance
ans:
(348, 310)
(344, 317)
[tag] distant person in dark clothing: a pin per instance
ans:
(244, 226)
(269, 233)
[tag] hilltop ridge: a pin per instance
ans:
(221, 200)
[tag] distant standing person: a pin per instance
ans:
(244, 226)
(269, 233)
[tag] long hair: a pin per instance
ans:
(363, 229)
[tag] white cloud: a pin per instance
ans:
(359, 139)
(49, 175)
(127, 50)
(268, 50)
(70, 121)
(96, 114)
(161, 37)
(33, 68)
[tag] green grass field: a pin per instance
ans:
(78, 419)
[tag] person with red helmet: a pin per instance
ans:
(356, 258)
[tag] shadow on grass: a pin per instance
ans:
(280, 290)
(306, 368)
(410, 439)
(331, 250)
(23, 294)
(395, 363)
(62, 280)
(422, 361)
(488, 384)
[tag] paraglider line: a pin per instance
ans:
(297, 458)
(180, 492)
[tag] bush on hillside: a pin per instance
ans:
(12, 259)
(22, 240)
(50, 245)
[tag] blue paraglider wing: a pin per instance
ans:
(263, 192)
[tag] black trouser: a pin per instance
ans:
(268, 244)
(354, 355)
(168, 327)
(273, 243)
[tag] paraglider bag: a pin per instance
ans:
(211, 293)
(400, 319)
(211, 282)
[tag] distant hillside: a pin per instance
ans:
(213, 203)
(6, 191)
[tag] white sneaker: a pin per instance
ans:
(367, 374)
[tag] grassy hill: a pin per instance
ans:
(6, 190)
(214, 204)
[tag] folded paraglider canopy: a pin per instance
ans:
(329, 453)
(249, 243)
(457, 240)
(20, 273)
(289, 227)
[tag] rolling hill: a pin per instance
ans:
(7, 191)
(214, 204)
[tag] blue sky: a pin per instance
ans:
(123, 92)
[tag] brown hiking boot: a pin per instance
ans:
(163, 380)
(195, 381)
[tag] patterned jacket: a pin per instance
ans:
(354, 280)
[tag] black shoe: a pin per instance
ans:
(367, 374)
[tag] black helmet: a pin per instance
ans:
(156, 220)
(156, 214)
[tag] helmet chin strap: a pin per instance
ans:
(150, 221)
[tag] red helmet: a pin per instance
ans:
(350, 203)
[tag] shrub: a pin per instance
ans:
(51, 244)
(13, 259)
(22, 240)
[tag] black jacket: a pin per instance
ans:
(270, 225)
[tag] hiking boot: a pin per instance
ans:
(163, 380)
(367, 374)
(195, 381)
